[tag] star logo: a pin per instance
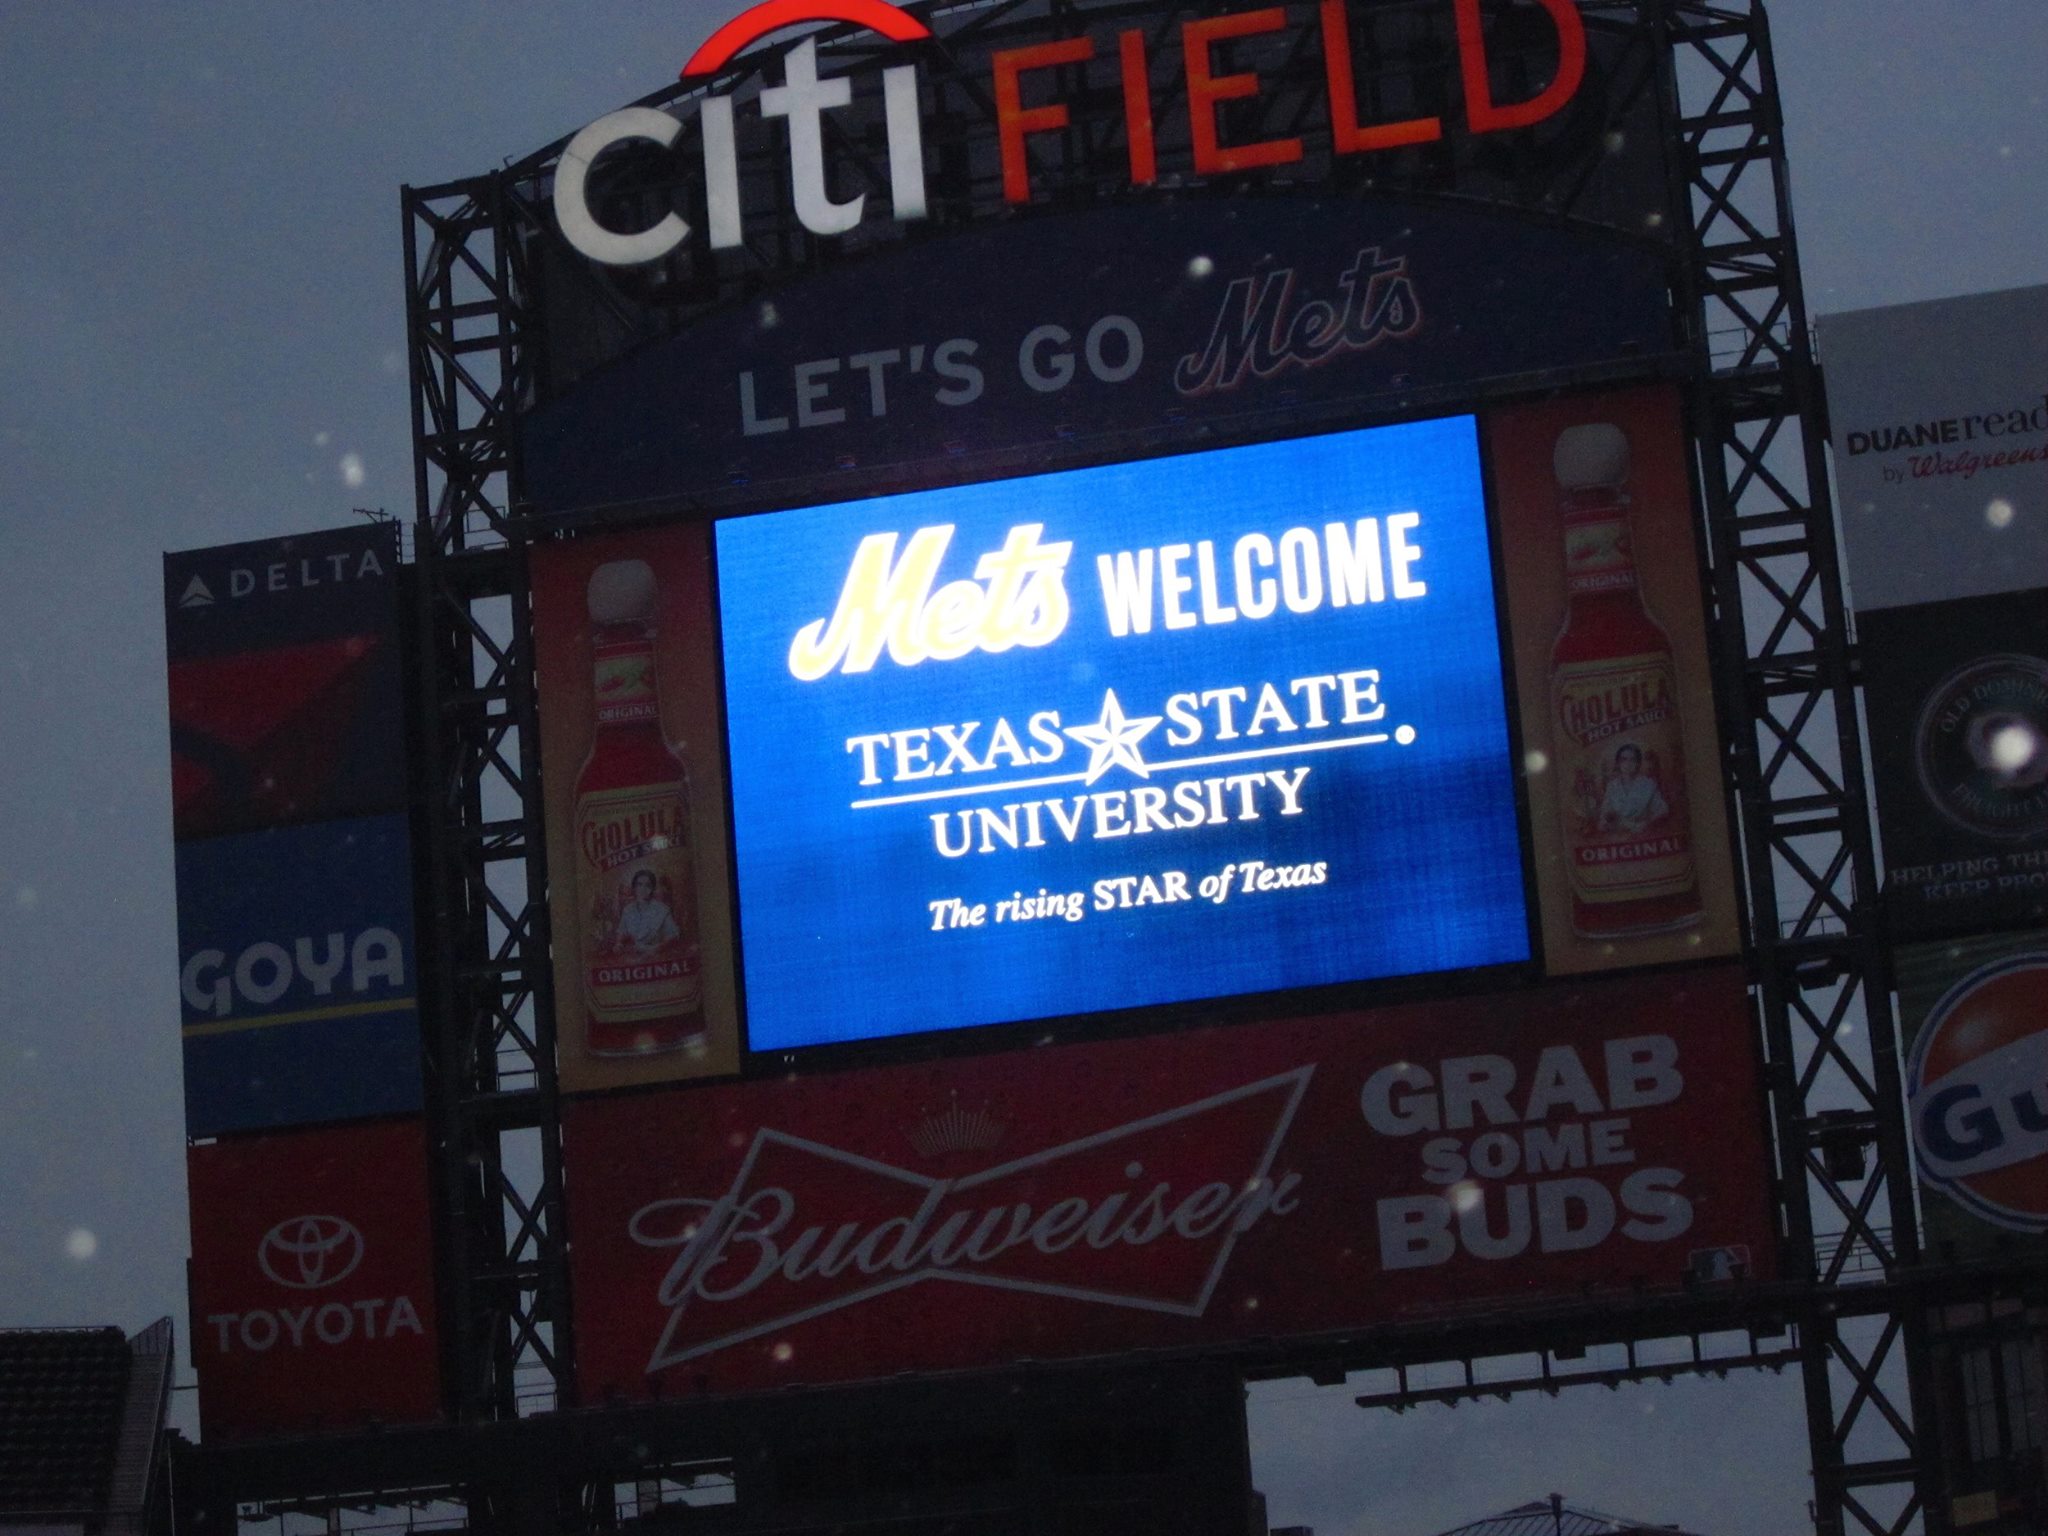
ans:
(1112, 742)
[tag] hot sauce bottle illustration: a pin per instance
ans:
(1620, 755)
(636, 883)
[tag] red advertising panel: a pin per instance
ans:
(1627, 818)
(1278, 1180)
(313, 1281)
(635, 786)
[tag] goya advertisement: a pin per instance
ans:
(297, 976)
(1271, 1180)
(1212, 724)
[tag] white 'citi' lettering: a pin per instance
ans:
(891, 601)
(803, 99)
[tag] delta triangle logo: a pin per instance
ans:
(1144, 1215)
(196, 594)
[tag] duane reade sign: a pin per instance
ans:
(1940, 421)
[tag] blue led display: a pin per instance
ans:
(1221, 723)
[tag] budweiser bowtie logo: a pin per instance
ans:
(1143, 1215)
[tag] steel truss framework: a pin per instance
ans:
(1852, 1313)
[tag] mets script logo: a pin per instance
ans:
(1144, 1215)
(306, 1253)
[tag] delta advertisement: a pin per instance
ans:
(1940, 421)
(1195, 726)
(1270, 1181)
(286, 686)
(296, 970)
(312, 1281)
(1976, 1012)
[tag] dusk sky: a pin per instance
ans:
(201, 317)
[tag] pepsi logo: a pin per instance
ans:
(1977, 1092)
(306, 1253)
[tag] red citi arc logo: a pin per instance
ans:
(757, 22)
(804, 98)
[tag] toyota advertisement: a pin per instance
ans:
(1213, 724)
(1268, 1181)
(313, 1281)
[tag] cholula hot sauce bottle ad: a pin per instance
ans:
(635, 878)
(1616, 727)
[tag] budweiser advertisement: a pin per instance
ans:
(1976, 1011)
(634, 769)
(1628, 817)
(313, 1281)
(1278, 1180)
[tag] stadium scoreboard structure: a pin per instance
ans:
(1089, 682)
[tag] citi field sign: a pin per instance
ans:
(1194, 71)
(1207, 725)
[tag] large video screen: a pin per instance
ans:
(1207, 725)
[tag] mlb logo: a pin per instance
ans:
(1977, 1092)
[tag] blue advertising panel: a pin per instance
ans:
(1213, 724)
(297, 975)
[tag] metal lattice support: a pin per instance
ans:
(1831, 1050)
(498, 1169)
